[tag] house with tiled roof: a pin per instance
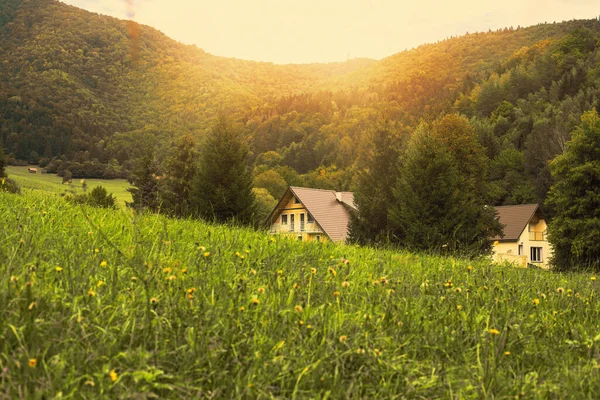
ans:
(312, 214)
(525, 239)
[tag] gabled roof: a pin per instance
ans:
(515, 219)
(327, 207)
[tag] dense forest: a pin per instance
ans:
(92, 95)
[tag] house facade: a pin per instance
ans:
(312, 214)
(525, 239)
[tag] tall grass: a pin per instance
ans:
(100, 303)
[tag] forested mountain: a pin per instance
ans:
(97, 93)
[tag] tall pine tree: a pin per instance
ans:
(222, 190)
(181, 170)
(375, 184)
(146, 190)
(574, 230)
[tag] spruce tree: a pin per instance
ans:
(2, 164)
(222, 190)
(574, 231)
(375, 184)
(146, 177)
(181, 170)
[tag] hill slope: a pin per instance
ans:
(86, 88)
(130, 306)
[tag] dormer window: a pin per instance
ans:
(296, 201)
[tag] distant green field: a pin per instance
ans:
(53, 183)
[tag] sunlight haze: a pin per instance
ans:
(330, 30)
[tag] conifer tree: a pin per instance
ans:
(222, 190)
(146, 177)
(375, 184)
(2, 163)
(574, 230)
(181, 170)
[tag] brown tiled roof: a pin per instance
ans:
(515, 219)
(330, 214)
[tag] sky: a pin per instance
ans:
(306, 31)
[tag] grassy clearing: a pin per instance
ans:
(52, 183)
(103, 303)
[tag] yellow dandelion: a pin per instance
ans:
(191, 290)
(507, 353)
(280, 272)
(560, 290)
(296, 286)
(377, 352)
(103, 264)
(458, 307)
(100, 283)
(167, 270)
(171, 278)
(496, 243)
(360, 351)
(58, 269)
(133, 279)
(90, 383)
(383, 280)
(494, 331)
(206, 254)
(190, 296)
(469, 268)
(96, 250)
(345, 284)
(390, 291)
(313, 271)
(593, 278)
(376, 282)
(113, 375)
(332, 271)
(336, 293)
(32, 362)
(255, 301)
(184, 270)
(237, 253)
(298, 308)
(153, 300)
(343, 338)
(536, 302)
(300, 322)
(91, 293)
(261, 290)
(252, 272)
(458, 290)
(242, 308)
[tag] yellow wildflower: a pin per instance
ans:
(167, 270)
(58, 269)
(252, 271)
(336, 293)
(345, 284)
(496, 243)
(206, 254)
(32, 362)
(343, 338)
(113, 375)
(313, 271)
(469, 268)
(242, 308)
(507, 353)
(171, 278)
(296, 286)
(593, 278)
(91, 293)
(100, 283)
(458, 307)
(494, 331)
(536, 302)
(191, 290)
(103, 264)
(255, 301)
(298, 308)
(184, 270)
(261, 290)
(153, 300)
(332, 271)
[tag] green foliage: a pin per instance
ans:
(2, 163)
(265, 203)
(271, 181)
(146, 191)
(9, 186)
(575, 199)
(374, 193)
(131, 306)
(98, 197)
(222, 189)
(181, 169)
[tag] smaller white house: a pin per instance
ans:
(525, 236)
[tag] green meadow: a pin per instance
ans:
(113, 304)
(52, 183)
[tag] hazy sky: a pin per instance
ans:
(303, 31)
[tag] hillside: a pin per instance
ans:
(103, 303)
(92, 89)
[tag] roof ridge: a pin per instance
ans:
(307, 188)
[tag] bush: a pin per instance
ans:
(98, 197)
(9, 186)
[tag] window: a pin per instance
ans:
(536, 254)
(296, 201)
(310, 219)
(283, 219)
(520, 251)
(318, 238)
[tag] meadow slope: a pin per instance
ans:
(110, 304)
